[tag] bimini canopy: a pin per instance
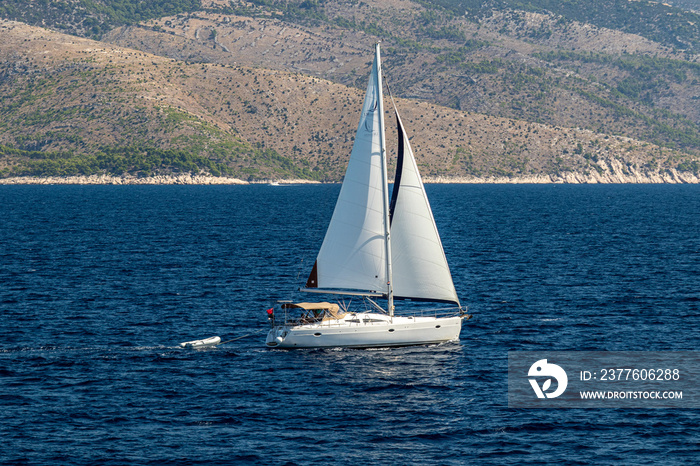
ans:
(325, 311)
(333, 308)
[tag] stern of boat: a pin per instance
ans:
(276, 336)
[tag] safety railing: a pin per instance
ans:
(291, 319)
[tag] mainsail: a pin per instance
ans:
(353, 255)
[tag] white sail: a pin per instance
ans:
(419, 264)
(353, 253)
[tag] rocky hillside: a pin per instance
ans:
(511, 64)
(256, 91)
(689, 5)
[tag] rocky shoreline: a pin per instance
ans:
(671, 177)
(132, 180)
(612, 177)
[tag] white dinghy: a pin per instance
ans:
(203, 343)
(376, 248)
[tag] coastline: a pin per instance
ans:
(613, 177)
(185, 179)
(668, 177)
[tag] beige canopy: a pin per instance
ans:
(331, 308)
(313, 306)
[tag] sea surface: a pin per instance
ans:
(100, 284)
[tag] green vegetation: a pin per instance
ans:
(366, 27)
(140, 161)
(457, 57)
(652, 73)
(92, 17)
(641, 80)
(143, 161)
(656, 21)
(692, 166)
(308, 12)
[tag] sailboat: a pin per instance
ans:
(375, 247)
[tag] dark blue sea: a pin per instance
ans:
(99, 285)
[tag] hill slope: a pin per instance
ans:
(499, 98)
(513, 64)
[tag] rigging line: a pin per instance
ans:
(244, 336)
(299, 270)
(388, 89)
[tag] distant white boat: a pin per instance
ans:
(273, 183)
(375, 248)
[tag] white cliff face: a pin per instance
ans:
(613, 172)
(602, 171)
(578, 178)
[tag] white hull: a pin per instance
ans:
(366, 330)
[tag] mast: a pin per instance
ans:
(385, 186)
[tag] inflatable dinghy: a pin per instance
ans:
(205, 343)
